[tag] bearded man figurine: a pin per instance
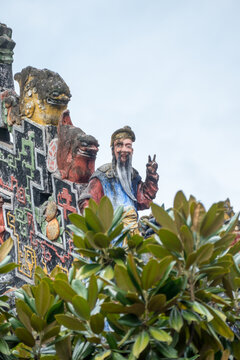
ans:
(121, 182)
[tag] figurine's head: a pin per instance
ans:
(121, 143)
(122, 150)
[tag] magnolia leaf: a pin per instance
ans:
(163, 218)
(117, 356)
(122, 279)
(24, 313)
(181, 204)
(137, 309)
(157, 303)
(103, 355)
(130, 320)
(64, 290)
(78, 221)
(204, 253)
(116, 232)
(92, 291)
(202, 310)
(7, 268)
(212, 220)
(101, 240)
(175, 320)
(56, 308)
(80, 288)
(158, 250)
(190, 316)
(108, 273)
(110, 307)
(37, 323)
(167, 351)
(150, 274)
(81, 306)
(50, 333)
(191, 258)
(63, 348)
(70, 322)
(118, 213)
(4, 349)
(160, 335)
(170, 240)
(5, 248)
(42, 298)
(25, 336)
(97, 323)
(87, 270)
(187, 239)
(140, 344)
(197, 216)
(105, 212)
(133, 272)
(92, 221)
(219, 324)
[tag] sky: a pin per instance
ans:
(170, 69)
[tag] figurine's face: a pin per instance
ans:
(123, 148)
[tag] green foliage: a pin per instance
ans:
(171, 296)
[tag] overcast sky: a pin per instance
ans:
(170, 69)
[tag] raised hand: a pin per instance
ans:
(152, 165)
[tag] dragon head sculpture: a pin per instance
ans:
(44, 95)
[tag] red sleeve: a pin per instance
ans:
(146, 192)
(93, 191)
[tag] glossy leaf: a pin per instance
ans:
(187, 239)
(92, 292)
(81, 306)
(140, 344)
(5, 248)
(64, 290)
(88, 270)
(38, 323)
(197, 216)
(78, 221)
(181, 204)
(101, 240)
(157, 303)
(175, 320)
(79, 288)
(7, 268)
(160, 335)
(150, 274)
(122, 279)
(163, 218)
(25, 336)
(219, 324)
(103, 355)
(105, 212)
(42, 298)
(190, 316)
(49, 333)
(170, 240)
(97, 323)
(70, 322)
(92, 221)
(4, 349)
(204, 253)
(202, 310)
(158, 251)
(63, 349)
(24, 313)
(212, 220)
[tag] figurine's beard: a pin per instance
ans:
(124, 172)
